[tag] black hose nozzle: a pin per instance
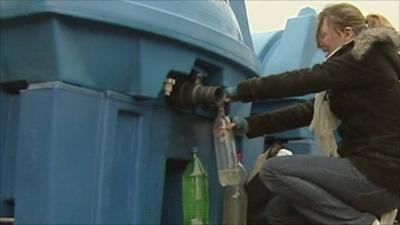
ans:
(189, 94)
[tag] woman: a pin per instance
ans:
(358, 92)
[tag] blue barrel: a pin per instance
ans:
(91, 139)
(125, 46)
(92, 157)
(289, 49)
(9, 109)
(303, 146)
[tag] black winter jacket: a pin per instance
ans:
(362, 80)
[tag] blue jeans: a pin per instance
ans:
(323, 190)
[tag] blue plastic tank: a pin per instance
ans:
(289, 49)
(91, 140)
(113, 161)
(125, 46)
(292, 48)
(9, 109)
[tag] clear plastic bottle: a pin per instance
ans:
(235, 200)
(195, 192)
(225, 150)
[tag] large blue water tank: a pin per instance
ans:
(91, 157)
(90, 140)
(126, 46)
(9, 114)
(284, 50)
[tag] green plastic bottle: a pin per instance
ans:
(195, 192)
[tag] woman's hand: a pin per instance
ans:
(239, 125)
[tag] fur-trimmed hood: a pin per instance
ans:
(364, 41)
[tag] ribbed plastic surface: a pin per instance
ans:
(9, 109)
(289, 49)
(78, 148)
(110, 159)
(124, 46)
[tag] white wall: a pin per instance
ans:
(266, 15)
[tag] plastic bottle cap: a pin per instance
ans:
(195, 149)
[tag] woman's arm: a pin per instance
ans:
(337, 73)
(291, 117)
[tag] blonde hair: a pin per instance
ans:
(376, 20)
(342, 15)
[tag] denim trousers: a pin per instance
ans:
(322, 190)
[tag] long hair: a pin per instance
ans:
(376, 20)
(342, 15)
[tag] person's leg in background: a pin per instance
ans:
(258, 197)
(258, 194)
